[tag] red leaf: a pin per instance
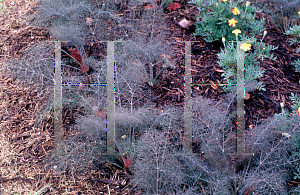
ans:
(128, 162)
(173, 6)
(149, 6)
(100, 114)
(248, 190)
(75, 54)
(84, 68)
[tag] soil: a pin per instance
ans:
(25, 143)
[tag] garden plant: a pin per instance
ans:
(149, 154)
(235, 21)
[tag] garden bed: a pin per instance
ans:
(27, 121)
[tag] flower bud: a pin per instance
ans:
(223, 39)
(265, 33)
(286, 135)
(247, 3)
(281, 104)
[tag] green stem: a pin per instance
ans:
(158, 73)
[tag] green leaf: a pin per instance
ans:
(297, 173)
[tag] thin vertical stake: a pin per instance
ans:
(58, 130)
(188, 128)
(240, 147)
(110, 132)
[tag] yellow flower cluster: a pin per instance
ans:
(232, 22)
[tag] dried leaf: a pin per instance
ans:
(213, 85)
(184, 23)
(89, 21)
(247, 96)
(218, 70)
(166, 56)
(173, 6)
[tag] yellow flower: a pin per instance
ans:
(223, 0)
(123, 136)
(217, 4)
(236, 32)
(235, 11)
(298, 111)
(265, 33)
(245, 47)
(299, 12)
(223, 39)
(232, 22)
(281, 104)
(247, 3)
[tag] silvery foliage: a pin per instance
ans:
(215, 173)
(67, 19)
(212, 129)
(131, 123)
(156, 170)
(34, 66)
(138, 59)
(271, 155)
(265, 172)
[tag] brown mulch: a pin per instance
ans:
(27, 144)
